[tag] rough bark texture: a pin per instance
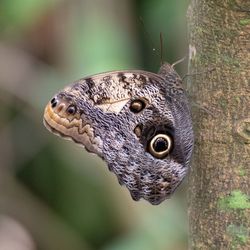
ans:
(219, 206)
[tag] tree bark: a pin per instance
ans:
(219, 180)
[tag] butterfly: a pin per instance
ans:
(138, 122)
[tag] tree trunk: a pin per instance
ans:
(219, 180)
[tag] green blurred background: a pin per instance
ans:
(54, 195)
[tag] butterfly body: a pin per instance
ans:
(138, 122)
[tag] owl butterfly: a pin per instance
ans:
(138, 122)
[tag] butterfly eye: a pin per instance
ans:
(137, 105)
(71, 110)
(160, 145)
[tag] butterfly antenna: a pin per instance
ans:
(179, 61)
(161, 47)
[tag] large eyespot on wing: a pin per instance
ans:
(160, 145)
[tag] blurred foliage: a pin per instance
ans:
(62, 196)
(17, 15)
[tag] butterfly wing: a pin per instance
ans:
(137, 121)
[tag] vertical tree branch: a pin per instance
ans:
(219, 206)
